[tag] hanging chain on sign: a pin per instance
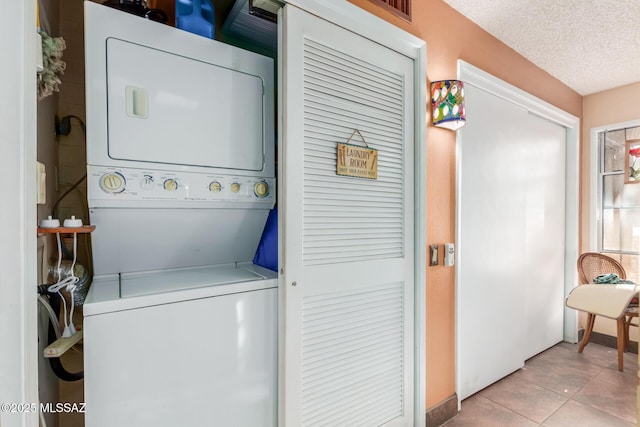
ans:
(355, 160)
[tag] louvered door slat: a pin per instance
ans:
(370, 320)
(312, 182)
(323, 105)
(322, 85)
(322, 164)
(339, 195)
(329, 215)
(358, 77)
(333, 117)
(326, 62)
(385, 174)
(345, 363)
(344, 123)
(326, 398)
(322, 212)
(384, 234)
(331, 133)
(339, 60)
(325, 81)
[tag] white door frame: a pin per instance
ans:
(472, 75)
(18, 248)
(353, 18)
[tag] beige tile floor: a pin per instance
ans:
(559, 388)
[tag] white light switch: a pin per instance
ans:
(434, 254)
(449, 254)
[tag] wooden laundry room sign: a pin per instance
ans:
(357, 161)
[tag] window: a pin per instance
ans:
(619, 203)
(401, 8)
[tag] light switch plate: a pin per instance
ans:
(433, 254)
(449, 254)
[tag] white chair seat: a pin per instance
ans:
(603, 300)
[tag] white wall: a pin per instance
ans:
(18, 367)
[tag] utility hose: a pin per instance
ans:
(55, 362)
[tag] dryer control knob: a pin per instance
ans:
(261, 189)
(112, 182)
(215, 187)
(235, 187)
(170, 184)
(147, 182)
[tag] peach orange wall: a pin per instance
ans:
(450, 37)
(601, 109)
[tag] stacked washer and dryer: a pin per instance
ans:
(180, 325)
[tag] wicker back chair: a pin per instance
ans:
(591, 265)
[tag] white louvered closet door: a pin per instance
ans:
(347, 305)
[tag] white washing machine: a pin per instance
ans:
(189, 347)
(180, 326)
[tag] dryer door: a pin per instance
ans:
(167, 108)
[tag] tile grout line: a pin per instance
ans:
(557, 409)
(518, 413)
(509, 409)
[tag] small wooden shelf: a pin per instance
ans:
(68, 230)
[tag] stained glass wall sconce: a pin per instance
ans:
(447, 104)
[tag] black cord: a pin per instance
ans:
(73, 187)
(55, 362)
(63, 127)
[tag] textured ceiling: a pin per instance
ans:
(589, 45)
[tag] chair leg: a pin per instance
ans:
(591, 318)
(621, 339)
(626, 333)
(627, 326)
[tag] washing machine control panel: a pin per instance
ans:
(106, 183)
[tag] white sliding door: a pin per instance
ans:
(490, 288)
(347, 278)
(544, 235)
(511, 225)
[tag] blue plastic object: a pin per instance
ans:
(196, 16)
(267, 253)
